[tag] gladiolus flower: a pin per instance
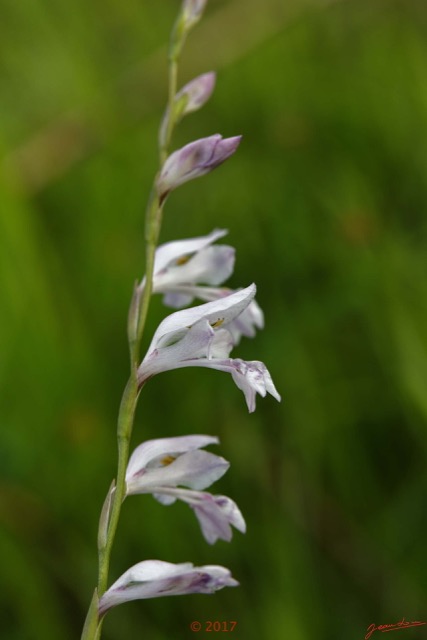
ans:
(185, 263)
(159, 466)
(198, 337)
(181, 266)
(155, 579)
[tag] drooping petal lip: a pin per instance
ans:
(155, 579)
(216, 515)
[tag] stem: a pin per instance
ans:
(173, 81)
(124, 430)
(152, 231)
(93, 625)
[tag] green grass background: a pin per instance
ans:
(326, 204)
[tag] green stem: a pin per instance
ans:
(93, 626)
(124, 430)
(152, 232)
(170, 110)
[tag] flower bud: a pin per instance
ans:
(192, 11)
(194, 160)
(104, 520)
(190, 14)
(190, 98)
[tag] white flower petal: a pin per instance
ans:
(217, 312)
(170, 252)
(232, 512)
(211, 265)
(221, 344)
(164, 498)
(177, 300)
(195, 469)
(177, 347)
(151, 453)
(245, 324)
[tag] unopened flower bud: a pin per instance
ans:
(192, 11)
(190, 98)
(194, 160)
(190, 14)
(104, 520)
(197, 92)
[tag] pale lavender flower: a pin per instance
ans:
(160, 467)
(156, 578)
(181, 266)
(184, 263)
(193, 337)
(174, 461)
(194, 160)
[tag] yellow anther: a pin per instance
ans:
(167, 460)
(217, 323)
(182, 260)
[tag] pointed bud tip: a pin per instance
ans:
(229, 145)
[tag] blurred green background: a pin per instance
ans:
(326, 204)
